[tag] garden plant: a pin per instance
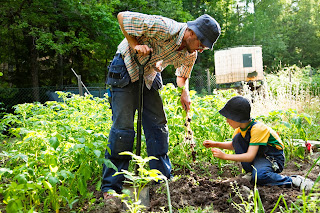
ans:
(52, 153)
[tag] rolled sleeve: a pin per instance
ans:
(185, 69)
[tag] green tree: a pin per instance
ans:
(287, 30)
(44, 39)
(302, 25)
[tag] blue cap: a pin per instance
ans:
(207, 30)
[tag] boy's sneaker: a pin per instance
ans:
(302, 183)
(112, 203)
(247, 176)
(107, 196)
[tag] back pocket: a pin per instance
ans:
(118, 75)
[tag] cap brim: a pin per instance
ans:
(224, 112)
(201, 37)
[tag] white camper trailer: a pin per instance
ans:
(238, 64)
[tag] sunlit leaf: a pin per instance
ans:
(21, 178)
(81, 140)
(4, 170)
(109, 164)
(53, 169)
(47, 185)
(53, 180)
(22, 156)
(97, 152)
(54, 143)
(78, 146)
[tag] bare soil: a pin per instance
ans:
(208, 186)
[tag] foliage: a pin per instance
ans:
(138, 181)
(42, 40)
(57, 146)
(279, 27)
(212, 124)
(51, 152)
(250, 204)
(54, 36)
(290, 126)
(295, 81)
(57, 149)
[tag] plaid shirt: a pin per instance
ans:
(164, 35)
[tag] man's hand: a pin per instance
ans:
(142, 49)
(208, 143)
(218, 153)
(185, 100)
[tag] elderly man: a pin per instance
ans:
(170, 43)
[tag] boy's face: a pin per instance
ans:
(233, 124)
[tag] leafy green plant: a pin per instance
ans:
(206, 123)
(138, 182)
(281, 198)
(51, 152)
(291, 126)
(252, 204)
(56, 150)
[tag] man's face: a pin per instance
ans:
(193, 44)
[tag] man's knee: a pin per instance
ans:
(120, 141)
(157, 140)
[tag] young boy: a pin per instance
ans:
(256, 145)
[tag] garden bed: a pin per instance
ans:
(52, 155)
(202, 188)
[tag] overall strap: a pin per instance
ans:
(248, 133)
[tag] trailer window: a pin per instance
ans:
(247, 60)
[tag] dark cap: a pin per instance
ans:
(237, 109)
(207, 30)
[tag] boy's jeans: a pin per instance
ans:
(121, 138)
(263, 170)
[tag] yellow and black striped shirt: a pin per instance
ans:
(261, 134)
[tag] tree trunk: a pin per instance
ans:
(34, 69)
(60, 69)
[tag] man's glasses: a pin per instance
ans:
(202, 47)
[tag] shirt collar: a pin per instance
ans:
(181, 34)
(250, 124)
(179, 41)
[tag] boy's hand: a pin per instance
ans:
(208, 143)
(217, 153)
